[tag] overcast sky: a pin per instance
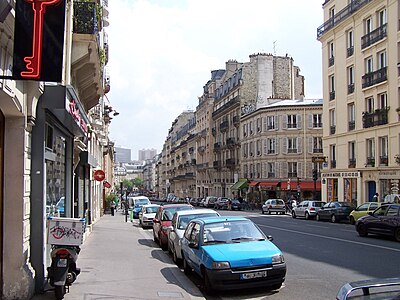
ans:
(161, 53)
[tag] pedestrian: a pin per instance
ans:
(375, 198)
(112, 206)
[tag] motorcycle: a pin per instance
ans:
(63, 271)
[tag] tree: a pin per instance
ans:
(137, 182)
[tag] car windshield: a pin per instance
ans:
(184, 220)
(151, 209)
(141, 202)
(231, 232)
(169, 212)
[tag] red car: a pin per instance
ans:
(163, 221)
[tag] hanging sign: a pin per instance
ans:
(106, 184)
(99, 175)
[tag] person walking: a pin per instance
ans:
(112, 206)
(375, 198)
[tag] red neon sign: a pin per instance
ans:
(33, 62)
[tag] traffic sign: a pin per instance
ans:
(99, 175)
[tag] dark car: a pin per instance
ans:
(236, 205)
(385, 220)
(335, 211)
(163, 221)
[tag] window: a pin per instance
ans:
(271, 170)
(244, 129)
(332, 153)
(369, 105)
(350, 43)
(258, 146)
(331, 54)
(331, 87)
(317, 144)
(383, 150)
(332, 121)
(382, 19)
(370, 152)
(251, 148)
(291, 121)
(369, 65)
(271, 146)
(258, 124)
(317, 120)
(272, 122)
(292, 145)
(292, 169)
(350, 80)
(368, 25)
(352, 154)
(351, 115)
(49, 136)
(382, 101)
(332, 13)
(382, 63)
(251, 128)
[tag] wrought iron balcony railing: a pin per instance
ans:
(352, 125)
(350, 88)
(352, 163)
(373, 36)
(350, 51)
(376, 118)
(373, 78)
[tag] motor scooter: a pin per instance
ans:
(63, 271)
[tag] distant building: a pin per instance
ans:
(145, 154)
(122, 155)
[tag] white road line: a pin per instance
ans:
(331, 238)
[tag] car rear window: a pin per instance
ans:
(184, 220)
(318, 204)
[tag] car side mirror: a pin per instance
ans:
(193, 245)
(270, 238)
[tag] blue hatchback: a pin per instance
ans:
(231, 253)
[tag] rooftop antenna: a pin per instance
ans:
(274, 48)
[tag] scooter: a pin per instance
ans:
(63, 271)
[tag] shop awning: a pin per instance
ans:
(268, 184)
(304, 185)
(240, 184)
(253, 183)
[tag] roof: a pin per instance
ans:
(195, 211)
(166, 206)
(210, 220)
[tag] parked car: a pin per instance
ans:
(231, 253)
(210, 201)
(135, 204)
(202, 202)
(235, 204)
(335, 211)
(179, 223)
(385, 220)
(147, 214)
(307, 209)
(163, 220)
(363, 210)
(194, 201)
(381, 288)
(273, 205)
(221, 203)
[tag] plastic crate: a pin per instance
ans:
(65, 231)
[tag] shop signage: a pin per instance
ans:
(106, 184)
(39, 40)
(76, 114)
(341, 174)
(99, 175)
(318, 159)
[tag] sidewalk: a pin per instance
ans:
(119, 260)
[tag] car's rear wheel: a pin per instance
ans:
(352, 221)
(397, 234)
(293, 214)
(307, 216)
(362, 230)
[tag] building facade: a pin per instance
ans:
(361, 131)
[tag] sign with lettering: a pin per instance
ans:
(341, 174)
(39, 40)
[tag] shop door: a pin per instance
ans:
(371, 190)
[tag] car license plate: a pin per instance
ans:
(253, 275)
(62, 263)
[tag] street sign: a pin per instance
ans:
(99, 175)
(318, 159)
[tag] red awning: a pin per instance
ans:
(253, 183)
(304, 185)
(268, 184)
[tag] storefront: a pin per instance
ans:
(60, 185)
(342, 186)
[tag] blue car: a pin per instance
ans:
(231, 253)
(136, 204)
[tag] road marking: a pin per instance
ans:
(331, 238)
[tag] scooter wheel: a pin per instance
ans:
(59, 291)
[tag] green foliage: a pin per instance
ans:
(111, 197)
(137, 182)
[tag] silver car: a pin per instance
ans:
(307, 209)
(274, 205)
(179, 222)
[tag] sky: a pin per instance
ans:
(162, 52)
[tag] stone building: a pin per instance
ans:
(361, 88)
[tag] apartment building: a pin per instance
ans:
(53, 135)
(361, 128)
(281, 144)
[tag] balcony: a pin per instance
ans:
(331, 61)
(201, 149)
(86, 58)
(383, 160)
(352, 163)
(352, 125)
(217, 147)
(333, 129)
(333, 164)
(229, 105)
(376, 118)
(223, 127)
(230, 163)
(332, 95)
(350, 88)
(373, 78)
(317, 150)
(236, 121)
(350, 51)
(292, 150)
(370, 162)
(341, 16)
(271, 175)
(292, 174)
(230, 142)
(373, 36)
(217, 164)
